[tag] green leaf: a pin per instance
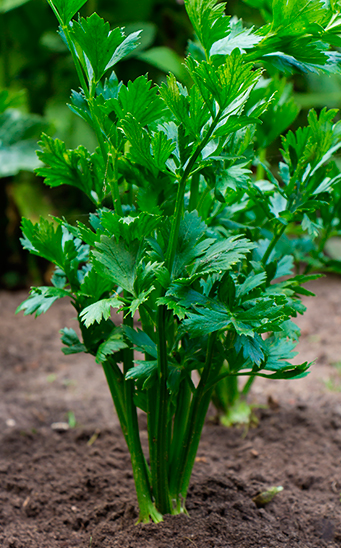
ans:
(278, 204)
(227, 82)
(298, 37)
(144, 373)
(162, 148)
(67, 8)
(238, 37)
(116, 263)
(297, 17)
(103, 47)
(285, 266)
(9, 100)
(40, 300)
(100, 310)
(71, 341)
(222, 255)
(128, 45)
(140, 151)
(130, 228)
(209, 21)
(293, 372)
(312, 228)
(206, 322)
(251, 347)
(98, 42)
(16, 126)
(233, 124)
(192, 229)
(57, 245)
(152, 151)
(278, 351)
(251, 282)
(141, 341)
(188, 107)
(140, 299)
(114, 343)
(262, 310)
(175, 97)
(234, 177)
(70, 167)
(44, 239)
(140, 100)
(94, 285)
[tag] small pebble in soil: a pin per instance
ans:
(60, 426)
(10, 423)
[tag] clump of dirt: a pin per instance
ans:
(74, 487)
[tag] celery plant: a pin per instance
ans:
(199, 287)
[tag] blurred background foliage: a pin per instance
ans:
(37, 74)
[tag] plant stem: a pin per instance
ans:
(65, 29)
(138, 461)
(193, 201)
(260, 169)
(199, 406)
(152, 400)
(113, 182)
(272, 244)
(180, 422)
(173, 240)
(162, 428)
(232, 391)
(201, 401)
(247, 386)
(203, 197)
(115, 382)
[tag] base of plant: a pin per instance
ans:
(154, 516)
(239, 414)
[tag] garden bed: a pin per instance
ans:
(60, 489)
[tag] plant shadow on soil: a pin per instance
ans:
(60, 489)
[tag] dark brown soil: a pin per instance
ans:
(60, 489)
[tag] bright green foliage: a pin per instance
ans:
(209, 21)
(193, 249)
(72, 167)
(71, 341)
(100, 310)
(66, 8)
(297, 36)
(140, 100)
(40, 300)
(97, 42)
(298, 17)
(225, 83)
(100, 46)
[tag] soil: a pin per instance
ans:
(74, 487)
